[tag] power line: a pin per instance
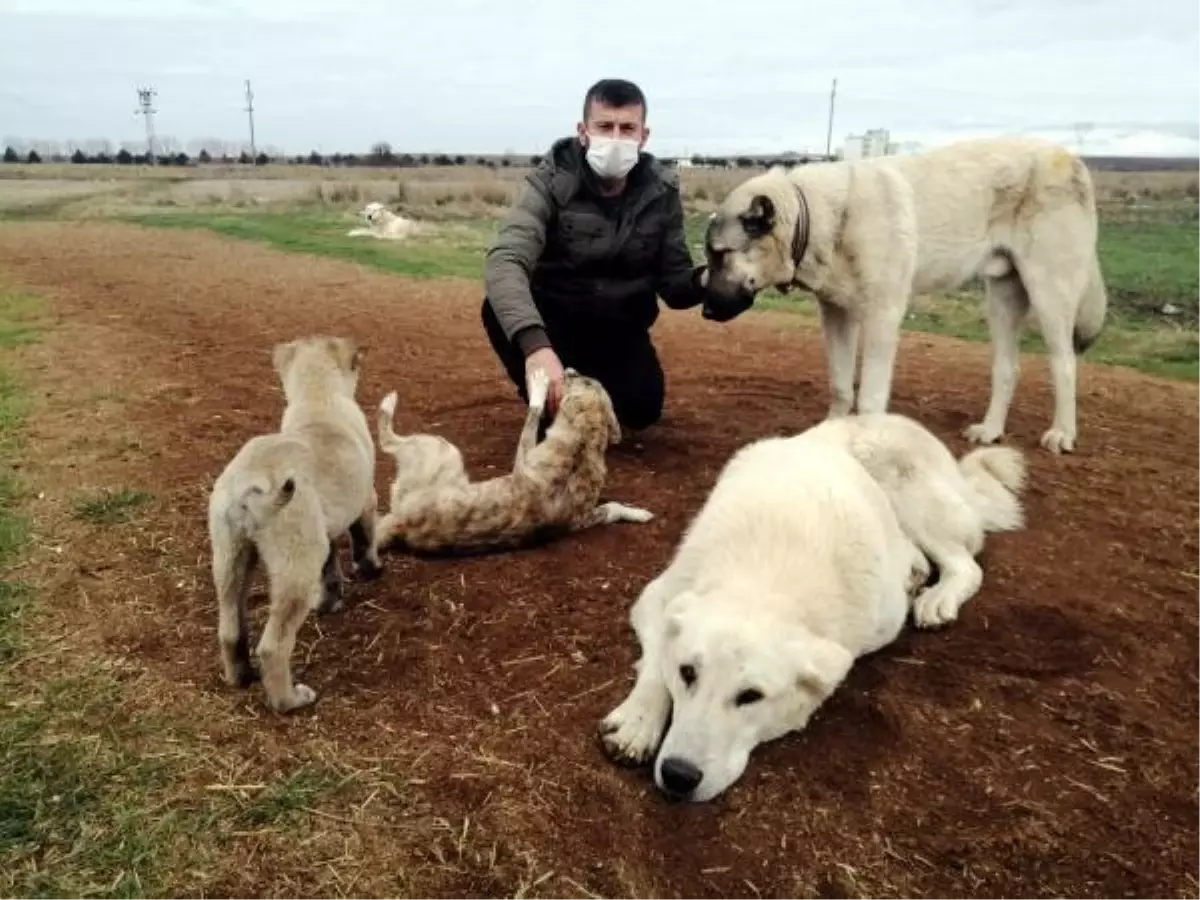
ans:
(250, 114)
(146, 103)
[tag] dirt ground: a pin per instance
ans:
(1046, 744)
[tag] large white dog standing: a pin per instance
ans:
(803, 558)
(864, 236)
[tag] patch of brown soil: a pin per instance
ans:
(1046, 744)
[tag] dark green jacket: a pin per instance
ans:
(567, 254)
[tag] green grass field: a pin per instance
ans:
(1150, 259)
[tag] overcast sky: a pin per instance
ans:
(463, 76)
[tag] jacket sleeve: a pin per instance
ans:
(676, 282)
(510, 262)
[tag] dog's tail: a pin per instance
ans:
(1093, 306)
(996, 476)
(388, 440)
(263, 496)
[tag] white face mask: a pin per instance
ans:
(612, 157)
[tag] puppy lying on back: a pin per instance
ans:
(285, 498)
(554, 487)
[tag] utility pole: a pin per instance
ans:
(829, 133)
(250, 113)
(146, 108)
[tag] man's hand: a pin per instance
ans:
(546, 360)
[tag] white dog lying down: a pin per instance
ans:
(383, 224)
(806, 555)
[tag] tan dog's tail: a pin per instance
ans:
(1093, 305)
(997, 476)
(389, 442)
(263, 497)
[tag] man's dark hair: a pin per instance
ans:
(615, 92)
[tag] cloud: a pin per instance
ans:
(473, 76)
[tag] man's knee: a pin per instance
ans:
(510, 357)
(641, 412)
(638, 397)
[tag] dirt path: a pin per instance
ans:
(1046, 744)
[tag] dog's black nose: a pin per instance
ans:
(679, 776)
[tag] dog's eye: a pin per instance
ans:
(748, 696)
(688, 674)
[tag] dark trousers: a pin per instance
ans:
(624, 362)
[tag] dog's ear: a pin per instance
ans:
(282, 356)
(821, 666)
(348, 353)
(759, 217)
(674, 611)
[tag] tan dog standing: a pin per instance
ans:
(865, 236)
(554, 487)
(285, 498)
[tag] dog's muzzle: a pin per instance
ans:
(719, 308)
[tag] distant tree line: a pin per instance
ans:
(380, 154)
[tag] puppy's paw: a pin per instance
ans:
(302, 696)
(332, 597)
(918, 573)
(982, 433)
(636, 514)
(1058, 440)
(934, 608)
(539, 389)
(630, 733)
(367, 569)
(243, 675)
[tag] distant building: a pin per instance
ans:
(875, 142)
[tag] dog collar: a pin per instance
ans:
(799, 242)
(800, 235)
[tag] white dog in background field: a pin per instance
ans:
(383, 224)
(809, 553)
(865, 236)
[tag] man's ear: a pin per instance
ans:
(759, 217)
(821, 665)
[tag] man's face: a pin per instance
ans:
(621, 122)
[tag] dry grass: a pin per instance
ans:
(115, 781)
(436, 192)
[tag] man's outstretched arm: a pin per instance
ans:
(510, 262)
(678, 283)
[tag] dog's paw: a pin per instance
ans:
(243, 675)
(918, 574)
(302, 696)
(388, 404)
(367, 569)
(934, 608)
(1057, 440)
(630, 734)
(982, 433)
(332, 598)
(539, 389)
(636, 514)
(330, 604)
